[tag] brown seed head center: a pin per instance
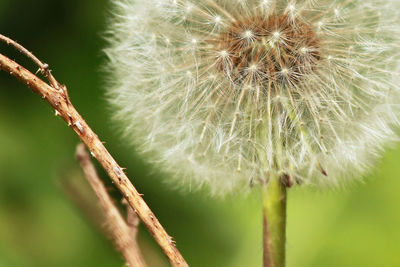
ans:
(277, 49)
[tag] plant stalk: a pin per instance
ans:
(58, 98)
(274, 221)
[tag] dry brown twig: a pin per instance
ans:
(56, 95)
(123, 234)
(73, 186)
(78, 193)
(132, 221)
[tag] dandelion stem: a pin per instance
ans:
(274, 221)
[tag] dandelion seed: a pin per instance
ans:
(307, 90)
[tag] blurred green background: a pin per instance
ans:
(40, 226)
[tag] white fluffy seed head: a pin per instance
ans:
(227, 93)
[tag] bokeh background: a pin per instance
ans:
(40, 226)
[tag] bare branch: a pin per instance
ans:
(132, 220)
(77, 193)
(43, 67)
(59, 100)
(116, 225)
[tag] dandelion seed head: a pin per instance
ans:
(227, 93)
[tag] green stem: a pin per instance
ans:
(274, 206)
